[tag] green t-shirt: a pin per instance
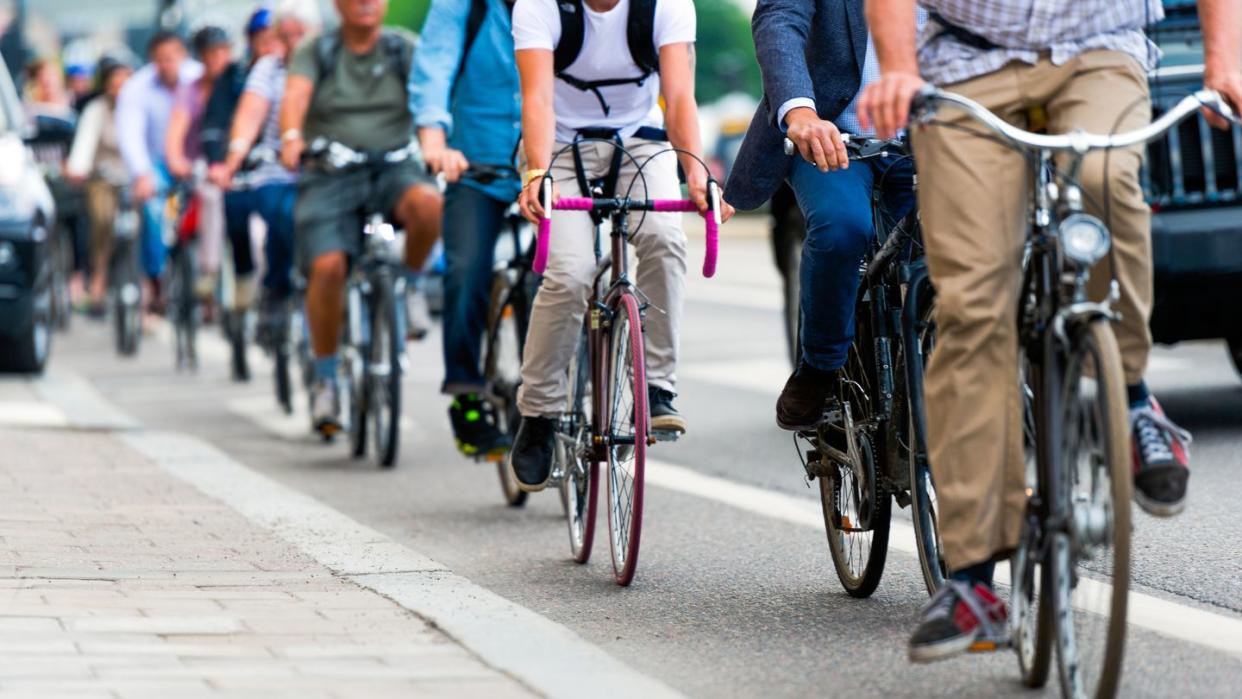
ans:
(362, 102)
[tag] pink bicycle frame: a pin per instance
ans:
(711, 221)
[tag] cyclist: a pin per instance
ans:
(143, 110)
(1085, 63)
(350, 86)
(597, 93)
(465, 85)
(814, 58)
(273, 189)
(184, 149)
(95, 160)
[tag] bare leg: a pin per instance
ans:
(325, 301)
(418, 212)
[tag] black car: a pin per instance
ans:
(1192, 182)
(27, 214)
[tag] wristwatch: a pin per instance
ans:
(532, 175)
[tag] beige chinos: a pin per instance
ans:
(974, 195)
(660, 242)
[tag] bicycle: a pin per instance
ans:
(373, 342)
(513, 288)
(125, 276)
(1071, 573)
(181, 215)
(871, 447)
(610, 366)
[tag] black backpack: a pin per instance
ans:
(639, 34)
(395, 45)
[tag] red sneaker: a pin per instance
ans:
(1161, 461)
(957, 619)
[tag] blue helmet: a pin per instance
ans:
(261, 19)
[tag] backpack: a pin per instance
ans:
(474, 24)
(395, 45)
(639, 34)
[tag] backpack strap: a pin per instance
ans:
(327, 51)
(474, 24)
(573, 28)
(397, 47)
(640, 35)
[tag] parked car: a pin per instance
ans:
(1191, 179)
(27, 214)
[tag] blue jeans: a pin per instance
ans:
(472, 223)
(839, 229)
(153, 250)
(274, 203)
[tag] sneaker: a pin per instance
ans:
(325, 408)
(664, 417)
(530, 460)
(801, 405)
(959, 618)
(417, 314)
(1161, 461)
(235, 330)
(474, 427)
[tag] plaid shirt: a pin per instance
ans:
(1027, 28)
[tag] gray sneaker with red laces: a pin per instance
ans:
(1161, 461)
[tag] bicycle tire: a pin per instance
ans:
(862, 582)
(384, 372)
(126, 300)
(1096, 527)
(283, 380)
(1032, 613)
(580, 485)
(923, 513)
(501, 371)
(627, 373)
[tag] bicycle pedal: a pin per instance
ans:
(988, 646)
(665, 435)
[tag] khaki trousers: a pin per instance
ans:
(556, 317)
(974, 198)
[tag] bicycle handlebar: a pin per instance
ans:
(1080, 142)
(861, 148)
(711, 219)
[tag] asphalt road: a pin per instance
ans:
(735, 593)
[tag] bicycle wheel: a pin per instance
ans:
(282, 378)
(626, 436)
(923, 512)
(126, 300)
(356, 387)
(502, 364)
(576, 455)
(858, 553)
(1091, 561)
(384, 371)
(1032, 613)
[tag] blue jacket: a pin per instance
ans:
(804, 50)
(481, 109)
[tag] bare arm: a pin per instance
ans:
(681, 115)
(1222, 56)
(174, 143)
(248, 120)
(538, 121)
(886, 103)
(293, 107)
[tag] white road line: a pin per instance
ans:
(30, 414)
(1182, 622)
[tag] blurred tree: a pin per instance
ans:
(726, 54)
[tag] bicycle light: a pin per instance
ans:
(1084, 239)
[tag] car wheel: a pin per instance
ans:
(30, 347)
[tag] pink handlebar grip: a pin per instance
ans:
(575, 204)
(709, 257)
(540, 263)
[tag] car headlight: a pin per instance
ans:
(1084, 239)
(8, 254)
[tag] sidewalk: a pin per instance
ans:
(119, 580)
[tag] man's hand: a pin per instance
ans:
(1229, 84)
(531, 203)
(697, 184)
(221, 175)
(439, 157)
(291, 153)
(817, 140)
(885, 104)
(144, 188)
(180, 168)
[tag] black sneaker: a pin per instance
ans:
(1161, 461)
(801, 405)
(664, 417)
(959, 618)
(530, 460)
(474, 427)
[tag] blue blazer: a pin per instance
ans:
(806, 48)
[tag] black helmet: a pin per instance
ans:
(209, 37)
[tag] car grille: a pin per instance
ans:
(1194, 164)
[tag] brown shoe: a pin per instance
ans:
(801, 405)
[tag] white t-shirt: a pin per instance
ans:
(605, 55)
